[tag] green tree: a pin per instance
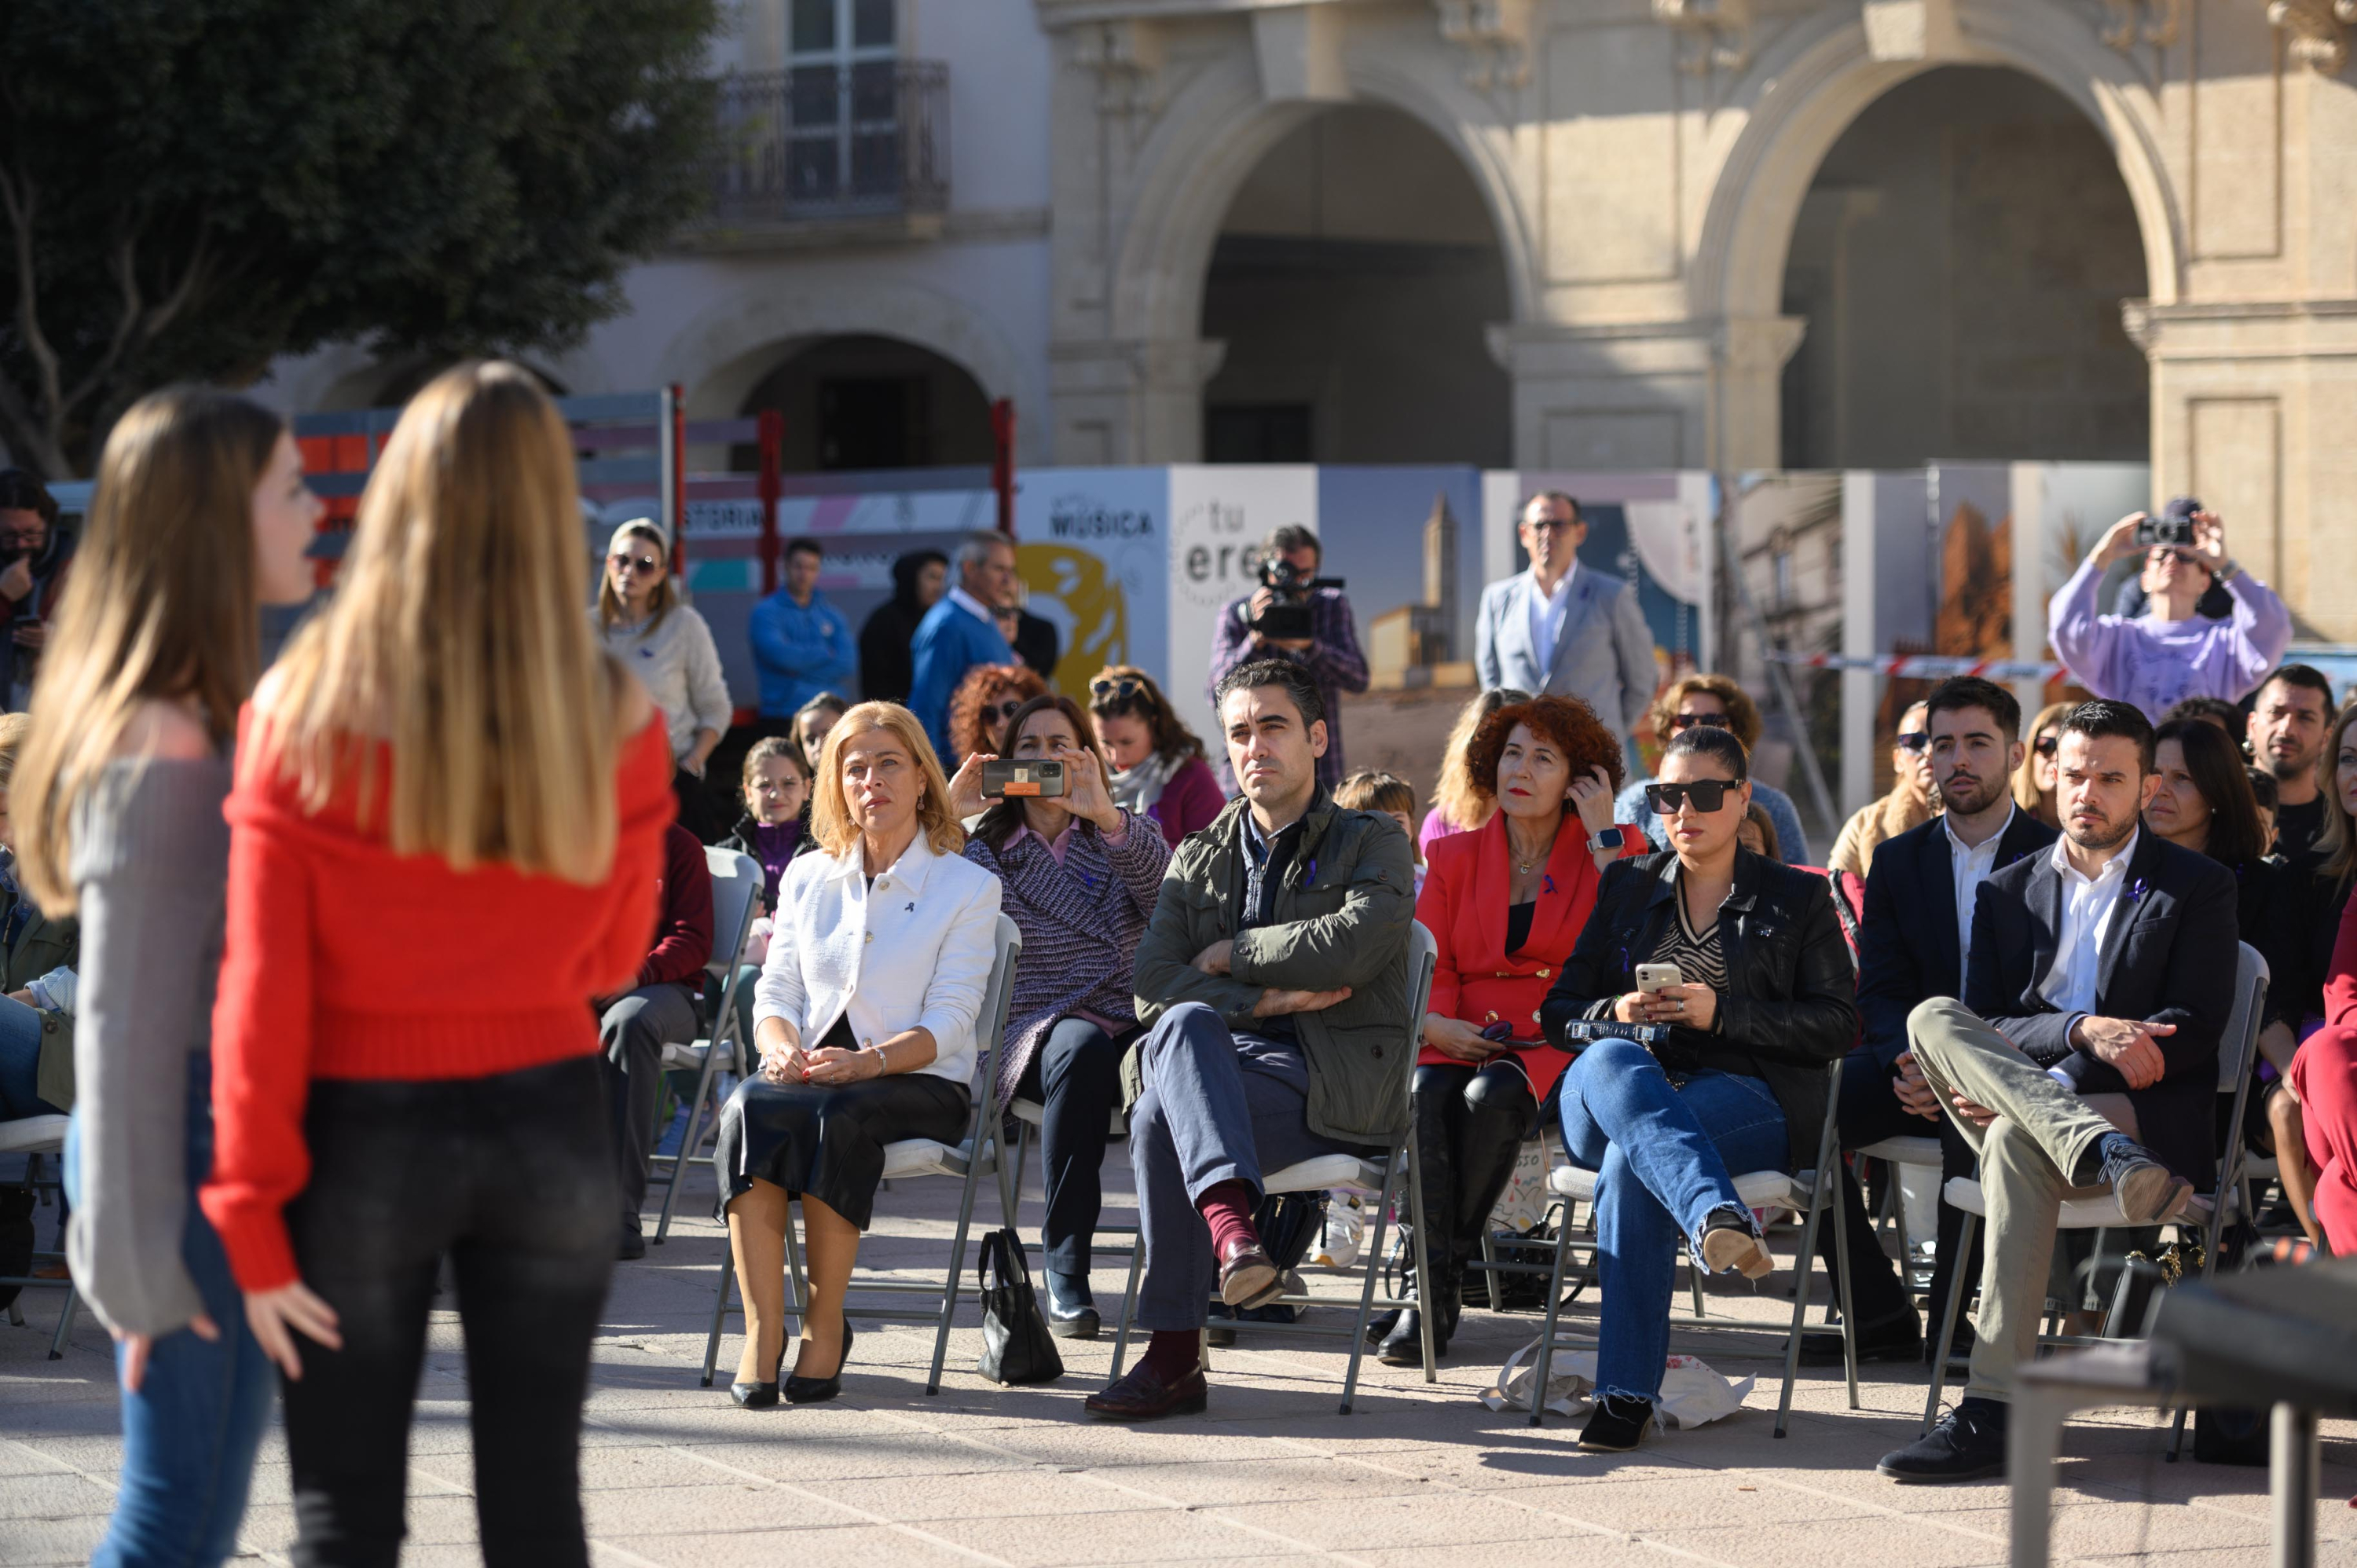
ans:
(191, 189)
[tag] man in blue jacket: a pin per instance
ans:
(960, 632)
(802, 644)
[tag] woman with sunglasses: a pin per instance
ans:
(2034, 782)
(1764, 996)
(1719, 702)
(641, 622)
(1159, 768)
(1912, 801)
(983, 702)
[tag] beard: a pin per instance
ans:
(2109, 835)
(2286, 770)
(1971, 798)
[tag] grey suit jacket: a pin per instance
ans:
(1604, 656)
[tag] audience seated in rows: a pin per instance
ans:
(988, 696)
(1389, 795)
(1766, 999)
(1456, 807)
(2033, 781)
(2316, 882)
(1714, 701)
(774, 831)
(1079, 877)
(1910, 803)
(1159, 766)
(664, 1007)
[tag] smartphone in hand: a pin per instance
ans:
(1017, 777)
(1658, 976)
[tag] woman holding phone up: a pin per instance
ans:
(1746, 963)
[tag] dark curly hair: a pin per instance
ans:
(985, 686)
(1566, 723)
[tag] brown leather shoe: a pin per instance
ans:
(1248, 1278)
(1142, 1395)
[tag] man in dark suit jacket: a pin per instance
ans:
(1910, 945)
(2100, 982)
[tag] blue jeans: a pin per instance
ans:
(190, 1433)
(20, 1062)
(1662, 1147)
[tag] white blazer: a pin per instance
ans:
(912, 951)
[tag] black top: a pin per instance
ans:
(2308, 923)
(1518, 924)
(2296, 827)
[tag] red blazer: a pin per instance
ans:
(1466, 884)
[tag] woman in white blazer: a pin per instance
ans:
(864, 1019)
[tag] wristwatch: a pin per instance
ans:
(2226, 571)
(1608, 839)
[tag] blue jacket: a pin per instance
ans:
(800, 652)
(950, 641)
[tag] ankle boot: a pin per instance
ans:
(1497, 1119)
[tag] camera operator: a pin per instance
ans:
(1297, 615)
(2170, 652)
(34, 552)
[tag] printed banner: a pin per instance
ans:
(1218, 517)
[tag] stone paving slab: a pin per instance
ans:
(1270, 1476)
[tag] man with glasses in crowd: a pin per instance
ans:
(1912, 800)
(1558, 629)
(2170, 652)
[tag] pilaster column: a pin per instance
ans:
(1132, 401)
(1695, 393)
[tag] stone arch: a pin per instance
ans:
(1816, 78)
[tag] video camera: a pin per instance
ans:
(2173, 527)
(1288, 618)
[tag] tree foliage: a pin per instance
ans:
(191, 189)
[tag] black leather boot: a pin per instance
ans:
(1437, 1103)
(1500, 1114)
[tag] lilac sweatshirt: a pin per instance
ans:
(2156, 664)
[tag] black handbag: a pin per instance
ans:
(1016, 1345)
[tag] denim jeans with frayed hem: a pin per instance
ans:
(1661, 1146)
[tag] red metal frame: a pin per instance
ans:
(1002, 461)
(773, 439)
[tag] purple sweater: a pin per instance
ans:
(2156, 664)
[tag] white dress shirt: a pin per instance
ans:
(2089, 906)
(1968, 867)
(973, 607)
(1547, 611)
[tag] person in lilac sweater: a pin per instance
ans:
(2169, 653)
(1158, 765)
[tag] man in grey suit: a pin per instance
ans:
(1557, 628)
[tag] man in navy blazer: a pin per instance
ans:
(2084, 1056)
(1562, 629)
(1910, 945)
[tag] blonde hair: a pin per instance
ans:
(160, 606)
(2336, 846)
(830, 821)
(1461, 805)
(12, 740)
(457, 637)
(2026, 793)
(611, 612)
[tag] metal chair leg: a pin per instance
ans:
(65, 1324)
(984, 1147)
(1948, 1322)
(1422, 1263)
(1128, 1303)
(1490, 1255)
(1553, 1308)
(1801, 1270)
(687, 1141)
(719, 1311)
(1374, 1258)
(1829, 1193)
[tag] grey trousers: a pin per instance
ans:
(633, 1033)
(2042, 1132)
(1216, 1107)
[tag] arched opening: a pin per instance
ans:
(1355, 273)
(1960, 259)
(865, 401)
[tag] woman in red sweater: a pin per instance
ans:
(1506, 903)
(446, 833)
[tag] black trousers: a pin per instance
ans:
(1469, 1126)
(511, 1177)
(633, 1033)
(1076, 1077)
(1870, 1112)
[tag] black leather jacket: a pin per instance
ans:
(1790, 1005)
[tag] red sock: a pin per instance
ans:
(1173, 1353)
(1227, 1208)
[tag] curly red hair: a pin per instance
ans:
(985, 686)
(1565, 723)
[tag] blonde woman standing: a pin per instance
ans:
(669, 647)
(444, 839)
(199, 517)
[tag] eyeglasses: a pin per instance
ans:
(624, 562)
(1550, 524)
(2047, 744)
(1115, 688)
(1708, 795)
(1914, 740)
(1689, 721)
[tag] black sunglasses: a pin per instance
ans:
(1115, 688)
(1914, 740)
(1008, 709)
(1689, 721)
(2047, 744)
(643, 563)
(1708, 795)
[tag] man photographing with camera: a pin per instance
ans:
(2169, 653)
(1298, 616)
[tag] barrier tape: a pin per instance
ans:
(1924, 666)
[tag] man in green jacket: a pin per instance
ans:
(1273, 982)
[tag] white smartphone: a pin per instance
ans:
(1658, 976)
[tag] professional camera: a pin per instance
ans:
(2173, 527)
(1288, 619)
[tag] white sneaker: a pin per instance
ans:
(1344, 1234)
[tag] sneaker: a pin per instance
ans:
(1343, 1233)
(2149, 1193)
(1618, 1425)
(1967, 1444)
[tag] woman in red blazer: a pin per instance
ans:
(1506, 903)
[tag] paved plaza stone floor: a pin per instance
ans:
(1272, 1474)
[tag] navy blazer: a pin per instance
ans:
(2167, 958)
(1908, 944)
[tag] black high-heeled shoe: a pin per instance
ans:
(760, 1396)
(818, 1390)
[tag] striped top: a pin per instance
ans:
(1698, 955)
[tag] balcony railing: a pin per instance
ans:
(815, 143)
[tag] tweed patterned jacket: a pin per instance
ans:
(1080, 923)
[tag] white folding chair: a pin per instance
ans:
(736, 883)
(1922, 1153)
(37, 1138)
(1804, 1193)
(2238, 1047)
(1380, 1178)
(969, 1162)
